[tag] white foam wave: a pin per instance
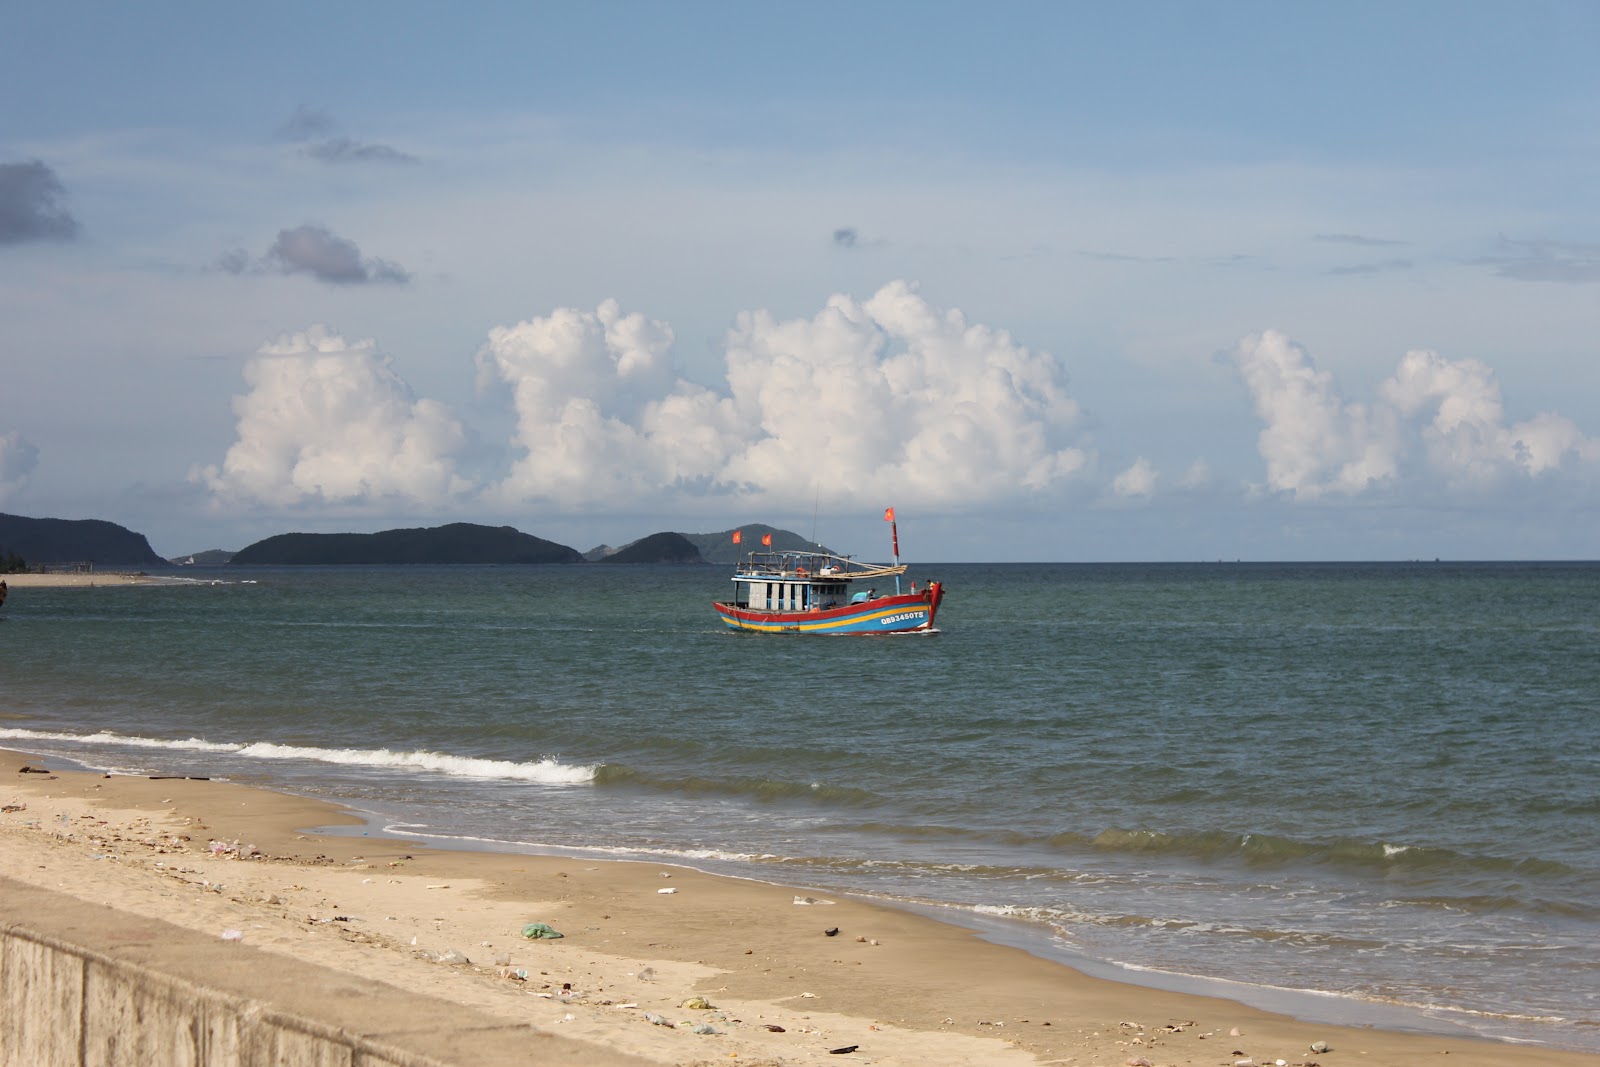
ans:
(674, 856)
(192, 744)
(544, 771)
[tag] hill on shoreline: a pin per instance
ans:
(458, 542)
(43, 541)
(52, 541)
(657, 548)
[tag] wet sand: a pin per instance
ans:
(96, 578)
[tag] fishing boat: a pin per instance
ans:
(812, 592)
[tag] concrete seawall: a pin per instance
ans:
(87, 986)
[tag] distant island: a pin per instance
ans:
(31, 543)
(657, 548)
(52, 542)
(211, 557)
(459, 542)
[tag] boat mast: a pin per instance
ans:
(894, 534)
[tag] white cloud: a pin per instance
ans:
(18, 458)
(329, 421)
(1436, 420)
(1138, 480)
(1313, 442)
(600, 417)
(1198, 476)
(885, 396)
(1465, 435)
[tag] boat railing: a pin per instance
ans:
(811, 565)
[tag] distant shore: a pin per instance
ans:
(61, 580)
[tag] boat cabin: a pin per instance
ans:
(787, 581)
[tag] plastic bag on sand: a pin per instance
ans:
(535, 931)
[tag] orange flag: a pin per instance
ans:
(738, 535)
(766, 539)
(888, 514)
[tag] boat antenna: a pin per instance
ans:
(815, 506)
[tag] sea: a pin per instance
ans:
(1354, 792)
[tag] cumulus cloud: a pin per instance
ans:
(1458, 408)
(1314, 442)
(1437, 420)
(866, 398)
(30, 205)
(599, 415)
(18, 458)
(1138, 480)
(319, 252)
(329, 421)
(1198, 476)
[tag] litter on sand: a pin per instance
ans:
(535, 931)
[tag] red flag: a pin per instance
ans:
(738, 535)
(888, 514)
(766, 539)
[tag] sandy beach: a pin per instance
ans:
(641, 941)
(74, 580)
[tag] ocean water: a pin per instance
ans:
(1358, 792)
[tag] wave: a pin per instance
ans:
(665, 854)
(544, 771)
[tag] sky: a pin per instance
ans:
(1057, 281)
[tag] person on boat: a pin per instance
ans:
(861, 597)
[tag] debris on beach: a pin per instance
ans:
(538, 931)
(811, 900)
(697, 1003)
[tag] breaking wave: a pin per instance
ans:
(543, 771)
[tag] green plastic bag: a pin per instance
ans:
(534, 931)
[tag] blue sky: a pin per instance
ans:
(1059, 281)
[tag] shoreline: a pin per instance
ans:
(902, 986)
(78, 581)
(1310, 1007)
